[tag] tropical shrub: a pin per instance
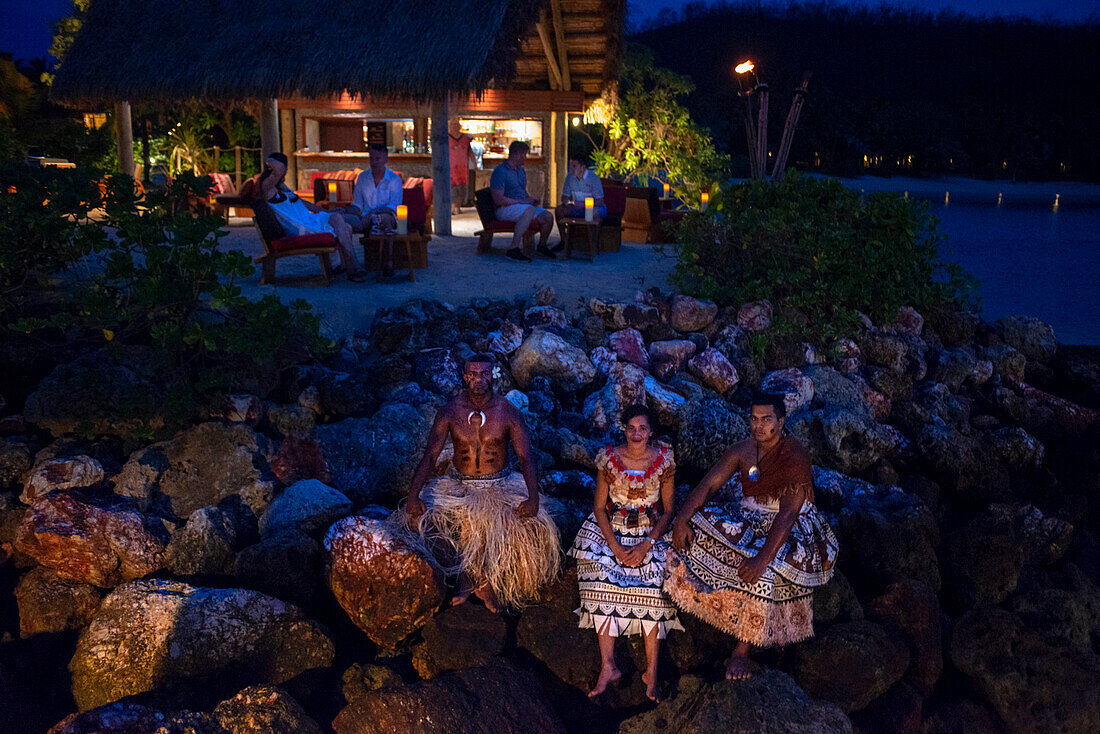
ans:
(816, 247)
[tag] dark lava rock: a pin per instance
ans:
(850, 664)
(264, 709)
(460, 637)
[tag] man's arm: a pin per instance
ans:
(718, 475)
(437, 437)
(790, 504)
(521, 443)
(395, 195)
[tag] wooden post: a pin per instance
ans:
(788, 129)
(124, 138)
(762, 134)
(558, 160)
(269, 127)
(237, 163)
(559, 33)
(750, 136)
(547, 49)
(441, 168)
(286, 119)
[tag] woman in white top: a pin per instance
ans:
(299, 217)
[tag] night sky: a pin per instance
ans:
(26, 25)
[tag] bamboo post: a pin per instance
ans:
(269, 127)
(124, 138)
(441, 168)
(237, 163)
(788, 129)
(762, 134)
(750, 136)
(286, 127)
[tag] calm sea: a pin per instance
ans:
(1034, 247)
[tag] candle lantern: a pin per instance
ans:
(705, 200)
(668, 190)
(402, 219)
(332, 191)
(589, 209)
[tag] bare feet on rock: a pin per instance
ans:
(488, 598)
(607, 677)
(651, 687)
(738, 667)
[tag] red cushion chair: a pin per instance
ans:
(490, 225)
(277, 244)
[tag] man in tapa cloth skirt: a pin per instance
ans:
(508, 547)
(749, 567)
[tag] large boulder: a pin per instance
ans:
(850, 664)
(71, 470)
(629, 346)
(846, 441)
(460, 637)
(796, 388)
(666, 403)
(1035, 682)
(158, 634)
(206, 544)
(958, 367)
(670, 356)
(767, 703)
(309, 505)
(286, 565)
(549, 632)
(50, 603)
(203, 466)
(545, 315)
(97, 540)
(755, 316)
(982, 561)
(438, 370)
(493, 698)
(264, 709)
(382, 577)
(625, 387)
(707, 428)
(831, 389)
(1030, 336)
(888, 536)
(691, 314)
(16, 459)
(714, 369)
(912, 611)
(136, 718)
(504, 340)
(544, 354)
(624, 315)
(96, 393)
(373, 459)
(414, 325)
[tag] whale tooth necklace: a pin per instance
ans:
(754, 470)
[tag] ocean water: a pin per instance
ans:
(1034, 247)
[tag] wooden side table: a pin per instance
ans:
(592, 230)
(375, 239)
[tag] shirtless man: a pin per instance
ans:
(762, 591)
(507, 522)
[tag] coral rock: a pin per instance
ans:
(797, 389)
(691, 314)
(755, 316)
(544, 354)
(714, 369)
(630, 347)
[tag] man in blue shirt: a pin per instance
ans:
(509, 188)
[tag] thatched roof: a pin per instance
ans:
(592, 31)
(141, 50)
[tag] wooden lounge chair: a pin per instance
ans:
(490, 225)
(278, 245)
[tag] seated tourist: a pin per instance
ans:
(373, 209)
(300, 217)
(620, 549)
(580, 184)
(749, 567)
(509, 188)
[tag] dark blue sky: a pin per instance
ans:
(26, 25)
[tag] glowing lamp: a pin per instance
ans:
(667, 190)
(402, 219)
(332, 191)
(576, 122)
(589, 209)
(744, 67)
(705, 199)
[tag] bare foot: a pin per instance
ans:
(651, 687)
(461, 595)
(738, 668)
(607, 676)
(488, 598)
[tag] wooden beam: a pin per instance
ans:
(559, 34)
(551, 64)
(511, 99)
(441, 168)
(124, 138)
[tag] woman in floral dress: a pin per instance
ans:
(620, 549)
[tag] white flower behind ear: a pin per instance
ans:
(496, 372)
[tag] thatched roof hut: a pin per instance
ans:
(241, 49)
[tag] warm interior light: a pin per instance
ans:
(576, 121)
(667, 190)
(744, 67)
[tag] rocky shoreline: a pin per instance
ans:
(235, 576)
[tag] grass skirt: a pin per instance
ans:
(516, 557)
(615, 599)
(778, 608)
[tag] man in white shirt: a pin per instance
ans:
(378, 193)
(580, 184)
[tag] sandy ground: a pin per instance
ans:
(455, 274)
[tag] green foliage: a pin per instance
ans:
(141, 269)
(651, 133)
(817, 247)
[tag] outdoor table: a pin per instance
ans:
(592, 229)
(377, 238)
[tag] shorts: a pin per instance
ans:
(513, 212)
